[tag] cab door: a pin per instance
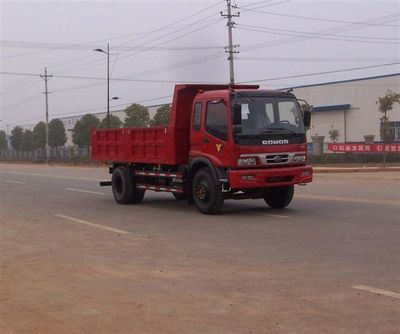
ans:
(214, 137)
(196, 130)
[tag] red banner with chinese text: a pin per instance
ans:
(368, 148)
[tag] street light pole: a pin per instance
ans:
(108, 81)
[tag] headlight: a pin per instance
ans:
(299, 159)
(247, 162)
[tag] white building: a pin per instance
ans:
(350, 106)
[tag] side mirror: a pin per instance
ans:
(306, 111)
(307, 118)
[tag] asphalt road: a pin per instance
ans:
(73, 261)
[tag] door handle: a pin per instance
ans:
(205, 141)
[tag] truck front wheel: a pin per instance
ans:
(124, 187)
(280, 197)
(206, 194)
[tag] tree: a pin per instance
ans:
(333, 134)
(385, 104)
(57, 135)
(3, 140)
(137, 116)
(81, 134)
(115, 122)
(161, 116)
(16, 137)
(27, 141)
(39, 135)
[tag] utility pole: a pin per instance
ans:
(231, 49)
(46, 77)
(108, 85)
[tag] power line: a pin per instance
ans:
(99, 78)
(143, 49)
(320, 19)
(55, 48)
(149, 48)
(21, 86)
(320, 73)
(337, 29)
(180, 21)
(319, 34)
(21, 102)
(319, 59)
(314, 36)
(143, 45)
(86, 47)
(144, 34)
(194, 61)
(323, 36)
(268, 4)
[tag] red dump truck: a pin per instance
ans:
(222, 142)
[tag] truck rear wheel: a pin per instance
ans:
(280, 197)
(206, 194)
(124, 187)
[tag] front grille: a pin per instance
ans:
(277, 158)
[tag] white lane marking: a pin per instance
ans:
(16, 182)
(349, 199)
(76, 220)
(377, 291)
(85, 191)
(52, 176)
(277, 216)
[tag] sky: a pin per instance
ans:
(157, 44)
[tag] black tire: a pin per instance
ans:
(206, 193)
(280, 197)
(179, 196)
(124, 188)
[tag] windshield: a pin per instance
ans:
(269, 116)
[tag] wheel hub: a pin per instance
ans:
(201, 192)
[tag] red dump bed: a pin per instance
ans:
(143, 145)
(164, 145)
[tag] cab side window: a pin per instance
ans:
(197, 116)
(216, 124)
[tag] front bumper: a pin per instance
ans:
(269, 177)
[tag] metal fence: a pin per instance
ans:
(55, 154)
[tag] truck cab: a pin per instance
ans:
(255, 139)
